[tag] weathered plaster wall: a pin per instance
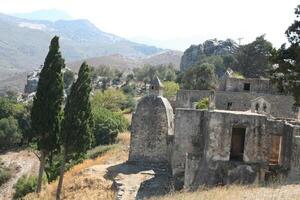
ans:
(152, 125)
(256, 85)
(188, 137)
(281, 106)
(203, 140)
(294, 173)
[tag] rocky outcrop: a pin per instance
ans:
(195, 53)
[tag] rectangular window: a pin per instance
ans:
(274, 158)
(246, 86)
(229, 105)
(237, 144)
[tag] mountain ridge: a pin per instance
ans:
(24, 43)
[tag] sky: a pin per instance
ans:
(175, 24)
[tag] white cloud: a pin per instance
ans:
(171, 20)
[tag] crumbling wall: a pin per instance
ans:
(212, 165)
(152, 125)
(188, 137)
(256, 85)
(294, 172)
(282, 106)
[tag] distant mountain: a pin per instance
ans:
(24, 43)
(50, 15)
(122, 62)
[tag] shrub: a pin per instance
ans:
(170, 89)
(111, 99)
(25, 185)
(107, 126)
(129, 105)
(5, 175)
(203, 103)
(10, 134)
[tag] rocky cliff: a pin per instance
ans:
(214, 47)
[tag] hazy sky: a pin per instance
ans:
(175, 23)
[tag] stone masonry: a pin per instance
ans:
(243, 137)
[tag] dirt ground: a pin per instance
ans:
(21, 163)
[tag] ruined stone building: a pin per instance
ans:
(250, 133)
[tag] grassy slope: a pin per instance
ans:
(85, 181)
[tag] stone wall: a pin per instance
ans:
(294, 173)
(282, 106)
(152, 127)
(187, 137)
(202, 145)
(256, 85)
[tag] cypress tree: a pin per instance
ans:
(46, 112)
(78, 121)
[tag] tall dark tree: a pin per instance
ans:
(287, 59)
(78, 121)
(46, 111)
(253, 58)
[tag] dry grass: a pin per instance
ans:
(85, 181)
(128, 117)
(235, 192)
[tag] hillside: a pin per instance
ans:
(108, 176)
(123, 62)
(49, 14)
(24, 43)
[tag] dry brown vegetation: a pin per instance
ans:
(235, 192)
(86, 181)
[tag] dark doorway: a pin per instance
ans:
(237, 144)
(246, 86)
(229, 105)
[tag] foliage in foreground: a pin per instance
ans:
(107, 126)
(26, 184)
(5, 175)
(14, 123)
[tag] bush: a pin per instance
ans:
(107, 126)
(203, 103)
(170, 89)
(10, 134)
(25, 185)
(129, 105)
(5, 175)
(111, 99)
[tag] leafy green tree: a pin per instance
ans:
(10, 134)
(287, 60)
(170, 89)
(46, 112)
(78, 121)
(199, 77)
(111, 99)
(253, 59)
(107, 125)
(218, 63)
